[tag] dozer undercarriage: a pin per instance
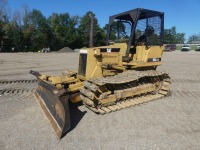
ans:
(109, 78)
(104, 95)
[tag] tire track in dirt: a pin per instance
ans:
(15, 95)
(17, 81)
(16, 103)
(186, 80)
(17, 87)
(13, 92)
(188, 88)
(186, 94)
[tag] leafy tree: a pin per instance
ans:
(58, 24)
(13, 34)
(180, 38)
(4, 11)
(4, 19)
(172, 37)
(27, 28)
(84, 31)
(117, 31)
(41, 30)
(194, 37)
(113, 34)
(64, 30)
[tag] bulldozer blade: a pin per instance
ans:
(55, 105)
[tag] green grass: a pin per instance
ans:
(178, 47)
(193, 47)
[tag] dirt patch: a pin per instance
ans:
(65, 50)
(167, 123)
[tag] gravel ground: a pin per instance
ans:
(169, 123)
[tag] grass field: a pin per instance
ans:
(193, 47)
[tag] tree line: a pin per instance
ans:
(30, 30)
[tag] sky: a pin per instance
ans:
(184, 14)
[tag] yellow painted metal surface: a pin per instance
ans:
(61, 79)
(143, 53)
(76, 86)
(97, 61)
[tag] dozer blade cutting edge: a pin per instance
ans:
(55, 105)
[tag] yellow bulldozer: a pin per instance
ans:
(112, 77)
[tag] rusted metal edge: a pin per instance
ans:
(51, 119)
